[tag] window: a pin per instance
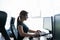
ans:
(35, 8)
(34, 23)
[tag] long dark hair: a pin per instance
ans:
(18, 18)
(22, 13)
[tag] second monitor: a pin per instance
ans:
(48, 23)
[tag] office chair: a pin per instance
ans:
(3, 17)
(13, 29)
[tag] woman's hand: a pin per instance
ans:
(38, 31)
(37, 34)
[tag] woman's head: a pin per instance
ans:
(23, 15)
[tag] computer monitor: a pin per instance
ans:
(57, 27)
(47, 23)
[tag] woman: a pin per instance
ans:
(22, 28)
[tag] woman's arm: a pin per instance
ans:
(23, 34)
(32, 31)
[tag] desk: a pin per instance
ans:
(49, 36)
(46, 37)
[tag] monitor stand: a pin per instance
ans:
(50, 32)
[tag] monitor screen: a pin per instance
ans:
(47, 23)
(57, 26)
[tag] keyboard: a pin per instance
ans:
(43, 33)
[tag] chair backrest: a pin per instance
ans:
(13, 29)
(3, 17)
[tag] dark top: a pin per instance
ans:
(25, 29)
